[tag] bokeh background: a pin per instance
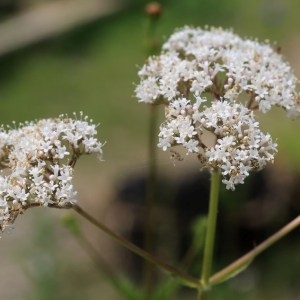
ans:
(65, 56)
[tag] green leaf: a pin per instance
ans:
(199, 228)
(127, 289)
(166, 289)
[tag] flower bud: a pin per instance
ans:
(153, 9)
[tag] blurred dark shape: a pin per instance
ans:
(247, 216)
(8, 7)
(131, 196)
(191, 200)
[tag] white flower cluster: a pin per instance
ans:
(239, 146)
(236, 77)
(39, 158)
(215, 61)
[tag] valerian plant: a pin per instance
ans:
(211, 83)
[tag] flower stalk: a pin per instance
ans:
(184, 278)
(210, 231)
(246, 259)
(153, 11)
(150, 198)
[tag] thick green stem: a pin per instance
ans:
(242, 262)
(210, 232)
(184, 278)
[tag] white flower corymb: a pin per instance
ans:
(195, 61)
(238, 144)
(40, 157)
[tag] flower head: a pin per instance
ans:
(214, 61)
(234, 77)
(235, 145)
(40, 157)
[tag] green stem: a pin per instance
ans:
(210, 232)
(247, 258)
(152, 47)
(184, 278)
(150, 196)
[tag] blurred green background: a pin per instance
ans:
(92, 67)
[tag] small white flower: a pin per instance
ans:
(191, 146)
